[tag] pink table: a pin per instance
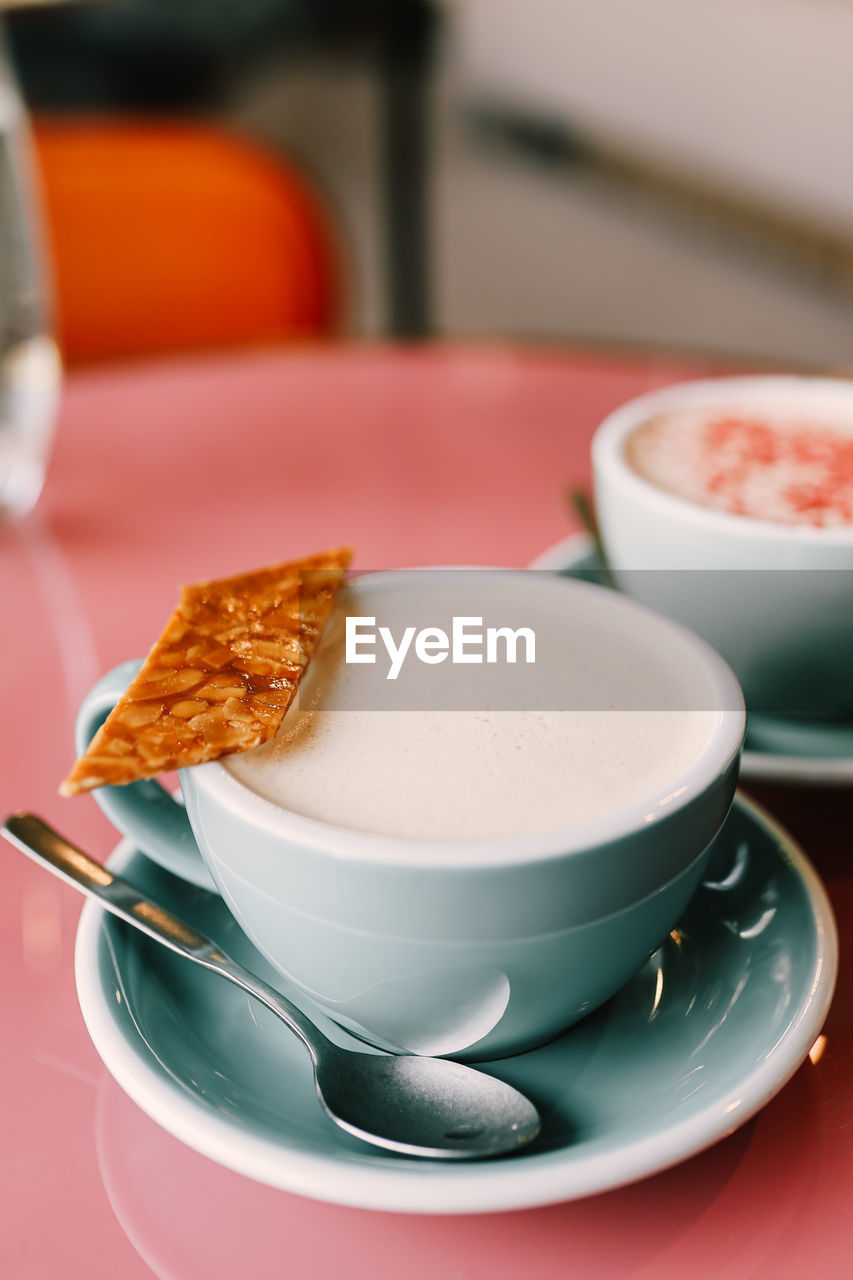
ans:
(169, 472)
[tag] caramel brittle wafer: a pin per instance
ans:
(220, 677)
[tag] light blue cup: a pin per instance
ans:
(474, 949)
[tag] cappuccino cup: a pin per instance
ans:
(464, 857)
(727, 504)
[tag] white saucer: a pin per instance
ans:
(700, 1039)
(809, 753)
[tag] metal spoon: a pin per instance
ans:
(417, 1106)
(580, 503)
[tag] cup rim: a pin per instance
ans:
(609, 459)
(721, 749)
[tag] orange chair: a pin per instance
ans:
(173, 236)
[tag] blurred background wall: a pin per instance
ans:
(753, 95)
(672, 172)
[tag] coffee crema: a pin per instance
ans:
(491, 773)
(783, 466)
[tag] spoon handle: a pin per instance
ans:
(40, 842)
(46, 846)
(582, 507)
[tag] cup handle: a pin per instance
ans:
(144, 811)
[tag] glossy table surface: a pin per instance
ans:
(183, 469)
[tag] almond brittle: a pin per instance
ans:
(221, 676)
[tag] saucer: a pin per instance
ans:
(777, 750)
(698, 1041)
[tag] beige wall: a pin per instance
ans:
(756, 94)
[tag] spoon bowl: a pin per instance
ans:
(423, 1106)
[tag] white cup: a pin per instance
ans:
(775, 599)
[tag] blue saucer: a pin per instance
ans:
(817, 752)
(701, 1038)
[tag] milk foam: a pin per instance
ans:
(473, 774)
(783, 462)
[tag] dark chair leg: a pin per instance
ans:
(406, 62)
